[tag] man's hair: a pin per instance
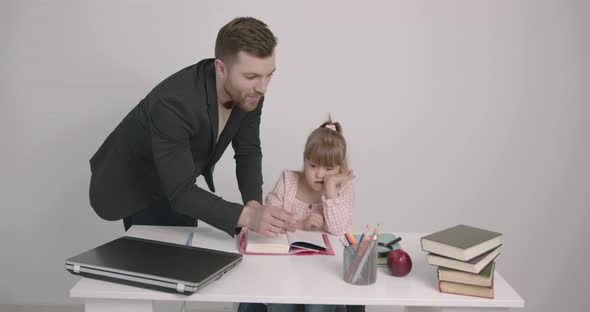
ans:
(244, 34)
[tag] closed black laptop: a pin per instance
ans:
(153, 264)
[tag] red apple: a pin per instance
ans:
(399, 263)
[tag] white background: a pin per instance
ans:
(472, 112)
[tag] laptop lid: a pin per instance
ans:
(153, 264)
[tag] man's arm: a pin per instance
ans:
(171, 129)
(248, 156)
(266, 220)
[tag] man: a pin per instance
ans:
(145, 171)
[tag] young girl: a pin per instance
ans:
(321, 196)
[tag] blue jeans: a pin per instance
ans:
(259, 307)
(251, 307)
(274, 307)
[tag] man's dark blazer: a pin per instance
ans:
(166, 142)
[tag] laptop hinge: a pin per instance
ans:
(180, 288)
(76, 268)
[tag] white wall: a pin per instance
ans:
(470, 112)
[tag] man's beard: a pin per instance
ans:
(234, 101)
(231, 103)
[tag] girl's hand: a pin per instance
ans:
(334, 180)
(315, 222)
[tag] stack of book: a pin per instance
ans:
(387, 242)
(465, 257)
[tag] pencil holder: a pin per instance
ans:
(360, 264)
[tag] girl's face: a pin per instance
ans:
(315, 174)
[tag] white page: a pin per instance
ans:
(259, 243)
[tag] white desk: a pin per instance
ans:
(300, 279)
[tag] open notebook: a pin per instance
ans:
(298, 242)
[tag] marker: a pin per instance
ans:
(351, 238)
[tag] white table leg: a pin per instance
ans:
(454, 309)
(104, 305)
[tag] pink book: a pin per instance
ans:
(300, 243)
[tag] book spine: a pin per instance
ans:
(443, 290)
(471, 295)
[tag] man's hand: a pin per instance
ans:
(266, 220)
(253, 203)
(315, 222)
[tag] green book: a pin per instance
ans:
(485, 278)
(466, 289)
(461, 242)
(474, 265)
